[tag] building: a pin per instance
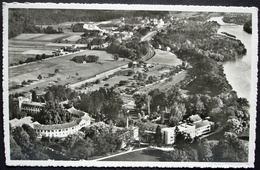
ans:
(31, 107)
(81, 120)
(194, 128)
(168, 135)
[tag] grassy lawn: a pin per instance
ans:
(27, 36)
(165, 57)
(141, 155)
(67, 68)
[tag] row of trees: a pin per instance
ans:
(38, 57)
(88, 59)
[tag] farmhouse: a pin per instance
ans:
(81, 120)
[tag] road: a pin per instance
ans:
(149, 36)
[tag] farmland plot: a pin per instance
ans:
(50, 37)
(27, 36)
(34, 52)
(67, 70)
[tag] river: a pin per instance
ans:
(238, 72)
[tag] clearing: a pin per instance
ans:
(165, 57)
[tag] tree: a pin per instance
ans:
(140, 99)
(187, 154)
(230, 149)
(177, 111)
(116, 57)
(38, 57)
(204, 150)
(16, 151)
(30, 131)
(82, 149)
(34, 96)
(56, 71)
(49, 96)
(158, 136)
(39, 77)
(21, 138)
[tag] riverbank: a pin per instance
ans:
(238, 72)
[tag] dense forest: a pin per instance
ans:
(25, 20)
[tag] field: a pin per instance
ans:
(140, 155)
(27, 36)
(67, 70)
(28, 45)
(34, 52)
(73, 38)
(165, 57)
(50, 37)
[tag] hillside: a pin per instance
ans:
(25, 20)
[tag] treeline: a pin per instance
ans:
(87, 59)
(38, 57)
(228, 149)
(248, 27)
(237, 18)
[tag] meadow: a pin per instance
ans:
(69, 71)
(165, 57)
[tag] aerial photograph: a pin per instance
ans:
(105, 85)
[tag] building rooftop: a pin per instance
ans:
(34, 103)
(57, 126)
(195, 118)
(201, 123)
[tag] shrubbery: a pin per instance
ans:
(87, 59)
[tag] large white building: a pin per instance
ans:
(81, 120)
(196, 127)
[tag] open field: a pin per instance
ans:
(28, 45)
(139, 155)
(34, 52)
(28, 36)
(73, 38)
(50, 37)
(67, 68)
(165, 57)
